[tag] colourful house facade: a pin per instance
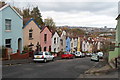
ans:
(79, 44)
(55, 42)
(116, 52)
(68, 47)
(72, 45)
(45, 39)
(11, 23)
(63, 41)
(31, 34)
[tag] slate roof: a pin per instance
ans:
(28, 20)
(7, 5)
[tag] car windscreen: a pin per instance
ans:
(66, 53)
(38, 53)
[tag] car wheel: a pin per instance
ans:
(98, 60)
(45, 60)
(53, 59)
(34, 61)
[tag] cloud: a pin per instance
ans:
(96, 13)
(87, 19)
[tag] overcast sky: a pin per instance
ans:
(88, 13)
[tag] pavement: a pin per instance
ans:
(13, 62)
(101, 70)
(21, 61)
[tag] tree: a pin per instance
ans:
(2, 3)
(50, 23)
(35, 13)
(26, 13)
(18, 10)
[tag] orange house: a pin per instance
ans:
(31, 34)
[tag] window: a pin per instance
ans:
(30, 34)
(8, 43)
(49, 48)
(61, 41)
(45, 38)
(54, 40)
(71, 44)
(38, 53)
(45, 48)
(57, 39)
(54, 49)
(46, 54)
(7, 24)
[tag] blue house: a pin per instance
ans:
(11, 23)
(68, 44)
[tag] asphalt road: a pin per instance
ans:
(66, 68)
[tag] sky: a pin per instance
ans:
(85, 13)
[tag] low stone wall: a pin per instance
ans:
(19, 56)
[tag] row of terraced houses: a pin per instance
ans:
(14, 35)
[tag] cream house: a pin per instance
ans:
(63, 41)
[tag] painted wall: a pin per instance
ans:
(116, 52)
(35, 34)
(68, 48)
(84, 46)
(63, 38)
(75, 42)
(46, 44)
(55, 46)
(78, 45)
(16, 28)
(72, 45)
(0, 28)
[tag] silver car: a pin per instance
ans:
(43, 56)
(95, 57)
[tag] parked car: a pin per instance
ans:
(83, 54)
(100, 54)
(88, 54)
(67, 55)
(43, 56)
(95, 57)
(79, 54)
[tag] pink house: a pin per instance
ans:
(45, 39)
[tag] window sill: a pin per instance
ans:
(8, 31)
(30, 38)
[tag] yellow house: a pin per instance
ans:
(31, 34)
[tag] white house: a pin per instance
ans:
(55, 43)
(85, 45)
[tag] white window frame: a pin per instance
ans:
(8, 24)
(6, 44)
